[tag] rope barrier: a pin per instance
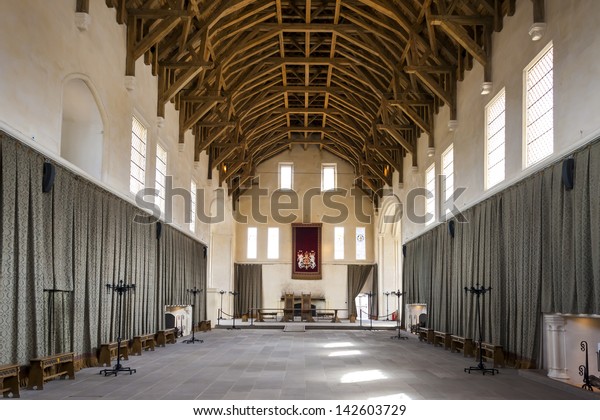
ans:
(223, 312)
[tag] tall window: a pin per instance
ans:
(495, 122)
(161, 177)
(286, 174)
(539, 105)
(361, 247)
(448, 172)
(338, 243)
(430, 186)
(273, 243)
(328, 177)
(193, 206)
(251, 245)
(137, 174)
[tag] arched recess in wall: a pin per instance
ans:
(391, 213)
(82, 132)
(389, 255)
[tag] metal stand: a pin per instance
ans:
(387, 306)
(369, 306)
(398, 294)
(221, 292)
(233, 327)
(192, 340)
(478, 291)
(360, 311)
(120, 288)
(584, 370)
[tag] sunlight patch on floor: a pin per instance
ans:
(362, 376)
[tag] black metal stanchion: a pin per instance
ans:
(360, 311)
(192, 340)
(221, 292)
(387, 306)
(120, 288)
(398, 294)
(233, 327)
(584, 370)
(369, 310)
(478, 291)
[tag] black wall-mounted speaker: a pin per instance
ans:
(48, 177)
(158, 230)
(451, 228)
(404, 251)
(568, 173)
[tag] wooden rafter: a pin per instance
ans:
(361, 79)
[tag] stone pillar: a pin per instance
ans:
(555, 326)
(398, 263)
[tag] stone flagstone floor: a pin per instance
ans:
(261, 364)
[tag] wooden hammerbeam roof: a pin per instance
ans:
(360, 78)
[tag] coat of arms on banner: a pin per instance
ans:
(306, 260)
(306, 243)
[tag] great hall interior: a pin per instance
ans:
(300, 199)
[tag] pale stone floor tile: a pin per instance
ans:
(267, 364)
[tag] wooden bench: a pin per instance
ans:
(165, 336)
(493, 353)
(144, 342)
(203, 326)
(442, 339)
(425, 334)
(9, 380)
(458, 344)
(108, 351)
(46, 368)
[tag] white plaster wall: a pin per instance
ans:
(82, 131)
(573, 29)
(82, 145)
(277, 273)
(277, 281)
(41, 49)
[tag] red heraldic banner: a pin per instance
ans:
(306, 251)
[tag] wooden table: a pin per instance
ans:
(332, 312)
(261, 312)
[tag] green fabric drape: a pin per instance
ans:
(25, 264)
(60, 249)
(536, 244)
(357, 278)
(247, 281)
(181, 266)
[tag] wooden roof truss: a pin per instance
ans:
(361, 79)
